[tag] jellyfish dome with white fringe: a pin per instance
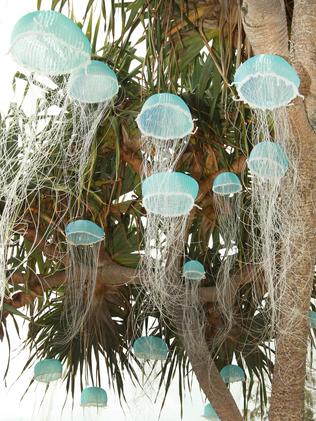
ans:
(210, 413)
(227, 190)
(165, 123)
(47, 372)
(232, 374)
(93, 401)
(268, 161)
(266, 81)
(47, 42)
(168, 198)
(84, 240)
(150, 348)
(193, 270)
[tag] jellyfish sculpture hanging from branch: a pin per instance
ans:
(84, 240)
(227, 202)
(47, 372)
(93, 400)
(210, 413)
(165, 123)
(168, 198)
(232, 373)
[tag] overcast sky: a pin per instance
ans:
(11, 409)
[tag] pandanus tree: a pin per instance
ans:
(191, 49)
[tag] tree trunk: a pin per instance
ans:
(264, 22)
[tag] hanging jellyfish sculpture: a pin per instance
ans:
(193, 319)
(48, 372)
(165, 123)
(312, 319)
(93, 400)
(49, 44)
(227, 202)
(268, 83)
(149, 350)
(210, 413)
(90, 92)
(84, 240)
(232, 374)
(168, 198)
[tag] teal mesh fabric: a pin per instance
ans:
(93, 84)
(266, 81)
(268, 160)
(93, 396)
(210, 413)
(193, 270)
(312, 319)
(226, 183)
(48, 370)
(150, 348)
(169, 193)
(232, 374)
(83, 233)
(165, 116)
(49, 43)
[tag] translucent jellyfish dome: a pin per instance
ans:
(93, 84)
(312, 319)
(165, 116)
(49, 43)
(83, 233)
(266, 81)
(193, 270)
(93, 396)
(268, 160)
(226, 183)
(210, 413)
(169, 193)
(150, 348)
(232, 373)
(48, 370)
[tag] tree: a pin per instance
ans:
(191, 48)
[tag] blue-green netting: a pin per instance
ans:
(93, 396)
(48, 370)
(193, 270)
(268, 160)
(169, 193)
(266, 81)
(226, 183)
(232, 373)
(93, 84)
(312, 319)
(210, 413)
(150, 348)
(165, 116)
(49, 43)
(83, 233)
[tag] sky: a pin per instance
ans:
(11, 390)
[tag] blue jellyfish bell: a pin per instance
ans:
(226, 183)
(312, 319)
(83, 233)
(93, 397)
(232, 373)
(210, 413)
(268, 160)
(48, 370)
(49, 43)
(266, 81)
(165, 116)
(193, 270)
(169, 193)
(93, 84)
(150, 348)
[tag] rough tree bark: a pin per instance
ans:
(265, 24)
